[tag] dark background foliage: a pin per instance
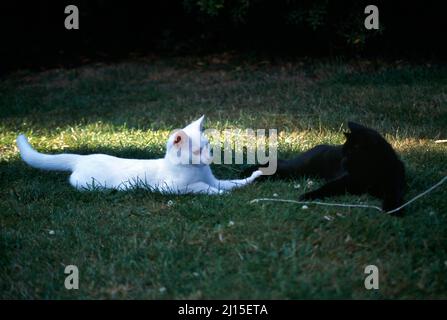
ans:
(33, 33)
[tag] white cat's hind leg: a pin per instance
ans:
(78, 181)
(81, 182)
(202, 188)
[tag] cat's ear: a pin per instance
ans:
(179, 139)
(355, 127)
(198, 124)
(195, 126)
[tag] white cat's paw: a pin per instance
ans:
(256, 174)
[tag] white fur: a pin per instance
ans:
(166, 175)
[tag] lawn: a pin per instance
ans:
(144, 245)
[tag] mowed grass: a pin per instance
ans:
(145, 245)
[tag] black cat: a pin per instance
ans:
(365, 163)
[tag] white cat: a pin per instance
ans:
(184, 169)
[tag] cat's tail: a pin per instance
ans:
(57, 162)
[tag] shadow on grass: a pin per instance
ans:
(160, 96)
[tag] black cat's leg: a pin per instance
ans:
(335, 187)
(322, 161)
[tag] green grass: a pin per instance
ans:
(135, 245)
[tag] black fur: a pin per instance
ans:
(365, 163)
